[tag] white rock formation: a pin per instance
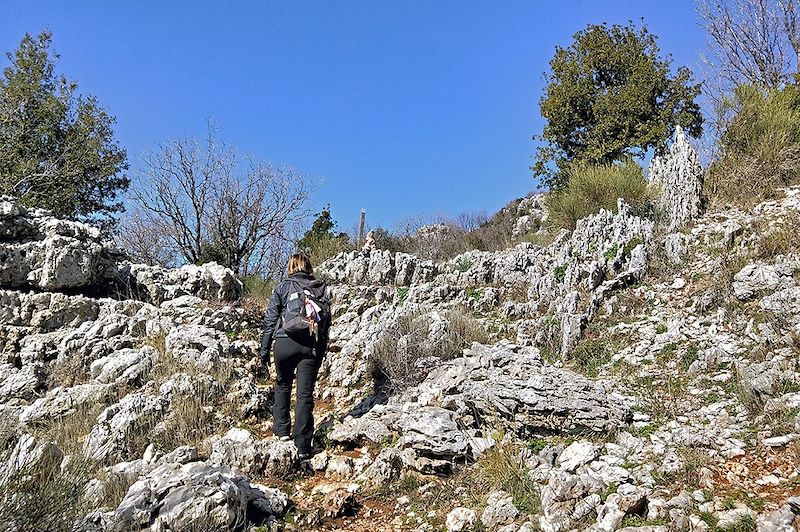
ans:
(679, 176)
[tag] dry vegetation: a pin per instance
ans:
(399, 358)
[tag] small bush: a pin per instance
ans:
(323, 247)
(594, 187)
(590, 355)
(397, 356)
(258, 289)
(760, 148)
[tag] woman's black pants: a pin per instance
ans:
(295, 360)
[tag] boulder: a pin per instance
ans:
(499, 510)
(241, 451)
(460, 519)
(181, 497)
(756, 277)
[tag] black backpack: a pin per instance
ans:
(307, 310)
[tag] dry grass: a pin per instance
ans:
(115, 487)
(780, 238)
(500, 468)
(70, 431)
(70, 371)
(397, 357)
(45, 497)
(718, 287)
(192, 418)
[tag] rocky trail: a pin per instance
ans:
(626, 375)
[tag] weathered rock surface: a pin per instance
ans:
(241, 451)
(680, 177)
(178, 497)
(450, 414)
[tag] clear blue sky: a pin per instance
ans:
(410, 107)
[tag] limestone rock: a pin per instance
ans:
(178, 497)
(756, 277)
(499, 510)
(680, 177)
(241, 451)
(209, 281)
(460, 519)
(110, 437)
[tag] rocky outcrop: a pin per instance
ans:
(43, 252)
(180, 497)
(452, 413)
(679, 176)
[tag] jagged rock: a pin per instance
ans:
(513, 387)
(136, 412)
(369, 242)
(338, 503)
(384, 469)
(577, 454)
(197, 344)
(730, 518)
(785, 304)
(30, 455)
(178, 497)
(432, 431)
(499, 510)
(209, 281)
(370, 427)
(20, 383)
(181, 455)
(756, 277)
(240, 450)
(676, 246)
(627, 499)
(38, 250)
(124, 366)
(501, 386)
(460, 519)
(531, 213)
(680, 177)
(60, 402)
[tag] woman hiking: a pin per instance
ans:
(298, 319)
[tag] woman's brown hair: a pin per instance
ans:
(299, 262)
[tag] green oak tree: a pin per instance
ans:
(321, 241)
(57, 147)
(610, 95)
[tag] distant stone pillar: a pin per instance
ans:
(361, 225)
(680, 177)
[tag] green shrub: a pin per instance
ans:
(594, 187)
(323, 247)
(760, 148)
(258, 288)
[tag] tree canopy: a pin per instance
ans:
(57, 148)
(609, 96)
(321, 241)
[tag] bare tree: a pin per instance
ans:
(751, 41)
(176, 187)
(216, 205)
(146, 239)
(251, 217)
